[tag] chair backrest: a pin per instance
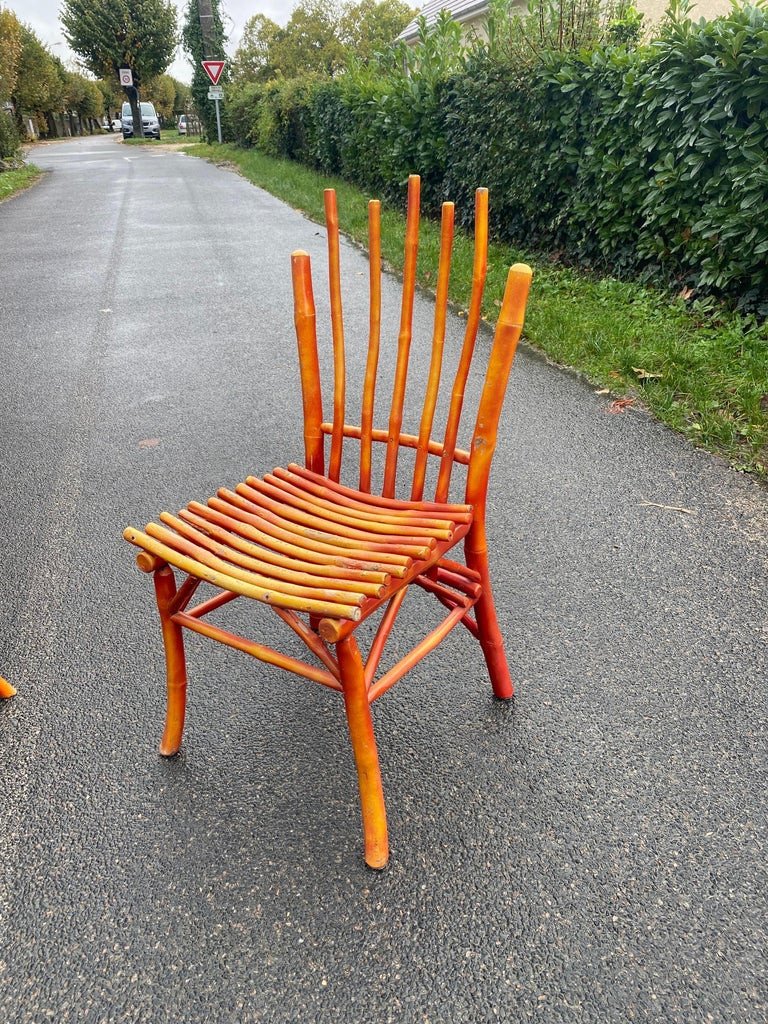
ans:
(508, 329)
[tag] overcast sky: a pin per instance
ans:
(43, 18)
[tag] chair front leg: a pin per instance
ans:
(366, 756)
(175, 663)
(491, 640)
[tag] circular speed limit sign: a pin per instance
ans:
(126, 76)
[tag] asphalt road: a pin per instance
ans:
(595, 852)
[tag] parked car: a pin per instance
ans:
(117, 125)
(148, 119)
(183, 124)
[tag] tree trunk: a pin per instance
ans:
(133, 98)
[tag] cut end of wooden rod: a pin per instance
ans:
(516, 293)
(298, 254)
(149, 563)
(329, 199)
(330, 629)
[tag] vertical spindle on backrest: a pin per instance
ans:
(508, 331)
(306, 334)
(404, 336)
(479, 271)
(374, 338)
(438, 344)
(337, 328)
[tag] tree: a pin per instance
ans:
(162, 92)
(182, 103)
(112, 93)
(367, 27)
(310, 41)
(40, 84)
(318, 39)
(10, 53)
(253, 59)
(111, 34)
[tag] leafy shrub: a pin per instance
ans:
(650, 161)
(10, 144)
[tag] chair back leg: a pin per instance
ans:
(366, 756)
(175, 663)
(489, 634)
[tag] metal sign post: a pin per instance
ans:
(213, 69)
(216, 93)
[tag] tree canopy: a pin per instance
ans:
(111, 34)
(319, 38)
(10, 52)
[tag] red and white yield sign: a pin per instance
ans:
(213, 69)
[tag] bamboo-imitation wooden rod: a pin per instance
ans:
(277, 586)
(230, 554)
(421, 650)
(226, 582)
(321, 556)
(306, 542)
(302, 488)
(284, 492)
(309, 530)
(400, 543)
(508, 331)
(299, 668)
(450, 603)
(438, 344)
(457, 513)
(306, 335)
(382, 633)
(184, 594)
(404, 336)
(312, 640)
(211, 604)
(264, 554)
(374, 339)
(337, 329)
(460, 455)
(479, 273)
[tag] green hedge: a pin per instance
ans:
(10, 143)
(651, 162)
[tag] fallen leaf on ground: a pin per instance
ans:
(645, 375)
(603, 391)
(149, 442)
(620, 405)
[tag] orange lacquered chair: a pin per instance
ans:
(324, 556)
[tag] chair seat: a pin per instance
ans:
(300, 541)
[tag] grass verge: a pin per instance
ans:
(168, 136)
(700, 369)
(12, 182)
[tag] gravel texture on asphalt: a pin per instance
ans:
(594, 851)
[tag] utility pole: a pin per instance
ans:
(206, 27)
(205, 12)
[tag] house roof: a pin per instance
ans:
(459, 10)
